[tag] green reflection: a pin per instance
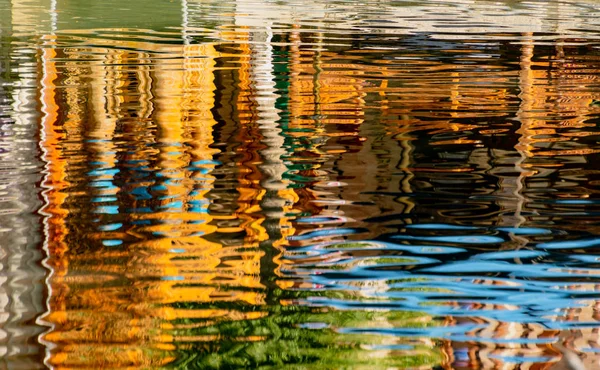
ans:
(301, 337)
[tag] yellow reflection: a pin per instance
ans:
(138, 261)
(114, 287)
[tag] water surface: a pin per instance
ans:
(282, 184)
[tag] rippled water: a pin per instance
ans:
(289, 184)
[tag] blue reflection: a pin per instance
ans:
(570, 244)
(458, 239)
(112, 243)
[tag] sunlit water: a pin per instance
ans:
(279, 184)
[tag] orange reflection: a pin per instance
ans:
(123, 314)
(149, 236)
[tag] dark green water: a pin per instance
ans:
(292, 185)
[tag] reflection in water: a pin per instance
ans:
(241, 185)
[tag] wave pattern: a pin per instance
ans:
(268, 184)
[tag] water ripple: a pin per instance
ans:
(276, 184)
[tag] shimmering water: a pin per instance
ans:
(303, 185)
